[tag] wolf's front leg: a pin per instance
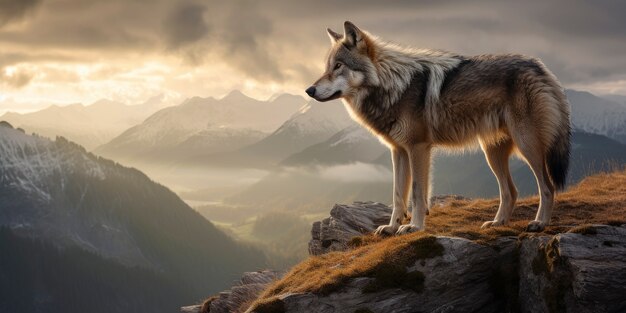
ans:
(401, 177)
(419, 160)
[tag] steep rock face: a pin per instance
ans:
(574, 272)
(241, 294)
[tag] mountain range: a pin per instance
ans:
(201, 126)
(77, 203)
(227, 131)
(294, 127)
(88, 125)
(312, 123)
(352, 144)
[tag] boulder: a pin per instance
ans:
(345, 222)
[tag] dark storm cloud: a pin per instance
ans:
(185, 25)
(15, 10)
(245, 34)
(582, 41)
(234, 32)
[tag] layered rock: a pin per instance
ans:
(345, 222)
(244, 292)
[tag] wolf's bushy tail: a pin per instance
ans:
(558, 157)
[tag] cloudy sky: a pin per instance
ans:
(65, 51)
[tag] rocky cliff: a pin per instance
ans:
(455, 268)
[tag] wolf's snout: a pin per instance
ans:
(310, 91)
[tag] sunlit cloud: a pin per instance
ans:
(16, 76)
(80, 51)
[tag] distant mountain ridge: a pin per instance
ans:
(237, 118)
(313, 123)
(90, 125)
(597, 115)
(209, 130)
(351, 144)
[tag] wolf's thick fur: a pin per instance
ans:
(418, 99)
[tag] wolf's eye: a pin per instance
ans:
(337, 66)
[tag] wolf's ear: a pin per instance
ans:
(353, 35)
(334, 37)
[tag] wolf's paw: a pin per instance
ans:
(491, 224)
(535, 226)
(407, 229)
(385, 230)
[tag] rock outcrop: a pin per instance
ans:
(345, 222)
(583, 270)
(349, 220)
(246, 290)
(461, 279)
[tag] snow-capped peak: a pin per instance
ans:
(316, 117)
(26, 161)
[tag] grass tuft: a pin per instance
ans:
(584, 230)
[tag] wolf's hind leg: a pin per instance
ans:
(498, 159)
(536, 159)
(401, 177)
(419, 159)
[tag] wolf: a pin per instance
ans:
(416, 100)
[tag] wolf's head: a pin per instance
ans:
(349, 66)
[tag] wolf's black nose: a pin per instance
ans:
(310, 91)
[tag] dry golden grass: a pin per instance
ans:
(599, 199)
(324, 274)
